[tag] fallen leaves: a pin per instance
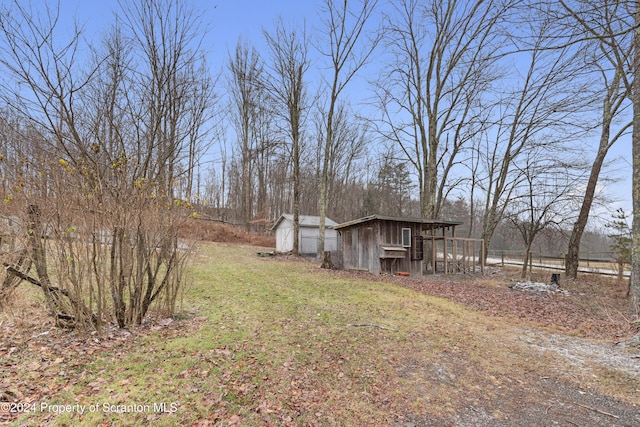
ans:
(564, 312)
(41, 361)
(297, 351)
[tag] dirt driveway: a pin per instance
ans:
(580, 329)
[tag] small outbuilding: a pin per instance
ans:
(308, 234)
(406, 246)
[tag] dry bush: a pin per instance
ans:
(98, 254)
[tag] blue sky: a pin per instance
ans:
(228, 20)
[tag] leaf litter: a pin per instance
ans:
(326, 374)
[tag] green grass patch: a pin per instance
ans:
(267, 341)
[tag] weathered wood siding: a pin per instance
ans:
(359, 248)
(391, 235)
(362, 246)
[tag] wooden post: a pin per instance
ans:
(433, 253)
(444, 253)
(467, 257)
(454, 243)
(473, 251)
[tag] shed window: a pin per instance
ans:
(406, 237)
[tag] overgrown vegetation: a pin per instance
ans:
(97, 162)
(93, 270)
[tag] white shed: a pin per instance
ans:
(308, 236)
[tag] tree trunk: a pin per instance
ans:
(60, 307)
(573, 250)
(323, 210)
(488, 229)
(635, 227)
(296, 195)
(246, 191)
(610, 106)
(116, 277)
(38, 255)
(324, 179)
(525, 261)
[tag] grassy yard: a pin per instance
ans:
(276, 341)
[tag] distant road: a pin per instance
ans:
(590, 270)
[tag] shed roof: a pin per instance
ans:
(306, 221)
(433, 222)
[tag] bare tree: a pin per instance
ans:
(287, 87)
(348, 51)
(542, 108)
(350, 136)
(160, 94)
(117, 134)
(31, 58)
(442, 57)
(544, 197)
(606, 25)
(248, 99)
(174, 86)
(201, 102)
(635, 138)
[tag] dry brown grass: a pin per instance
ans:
(215, 231)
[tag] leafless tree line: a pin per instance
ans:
(465, 95)
(495, 102)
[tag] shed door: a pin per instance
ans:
(284, 238)
(367, 248)
(355, 249)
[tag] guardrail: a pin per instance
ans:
(604, 265)
(586, 256)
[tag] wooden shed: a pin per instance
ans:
(409, 246)
(308, 234)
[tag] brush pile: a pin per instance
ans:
(538, 287)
